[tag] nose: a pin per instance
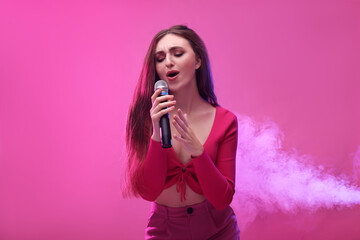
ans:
(169, 61)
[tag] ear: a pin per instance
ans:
(198, 63)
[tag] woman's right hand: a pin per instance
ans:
(159, 109)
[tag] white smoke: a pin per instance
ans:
(269, 179)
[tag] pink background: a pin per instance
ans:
(67, 74)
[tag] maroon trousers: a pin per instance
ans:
(196, 222)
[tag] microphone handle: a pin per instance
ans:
(165, 131)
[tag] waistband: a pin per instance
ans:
(195, 209)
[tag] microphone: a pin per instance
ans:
(165, 132)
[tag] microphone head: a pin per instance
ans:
(163, 84)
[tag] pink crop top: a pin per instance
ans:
(211, 174)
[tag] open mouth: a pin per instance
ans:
(172, 74)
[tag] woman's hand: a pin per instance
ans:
(159, 109)
(187, 137)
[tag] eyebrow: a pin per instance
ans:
(171, 49)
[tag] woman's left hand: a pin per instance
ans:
(187, 137)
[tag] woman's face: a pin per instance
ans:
(176, 62)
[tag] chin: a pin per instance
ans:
(174, 87)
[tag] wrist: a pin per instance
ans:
(197, 154)
(156, 138)
(156, 133)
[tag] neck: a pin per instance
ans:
(189, 100)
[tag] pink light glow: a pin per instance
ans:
(67, 73)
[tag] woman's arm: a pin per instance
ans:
(153, 174)
(217, 180)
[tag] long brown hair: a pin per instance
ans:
(139, 125)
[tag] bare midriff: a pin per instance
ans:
(171, 198)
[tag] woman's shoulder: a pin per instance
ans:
(225, 114)
(225, 124)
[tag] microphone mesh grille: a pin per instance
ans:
(161, 83)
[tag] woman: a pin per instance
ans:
(192, 183)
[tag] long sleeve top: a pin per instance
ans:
(211, 174)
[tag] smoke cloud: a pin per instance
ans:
(269, 179)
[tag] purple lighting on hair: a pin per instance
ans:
(269, 179)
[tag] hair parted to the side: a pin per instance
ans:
(139, 125)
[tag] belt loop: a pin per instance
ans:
(167, 212)
(207, 205)
(188, 219)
